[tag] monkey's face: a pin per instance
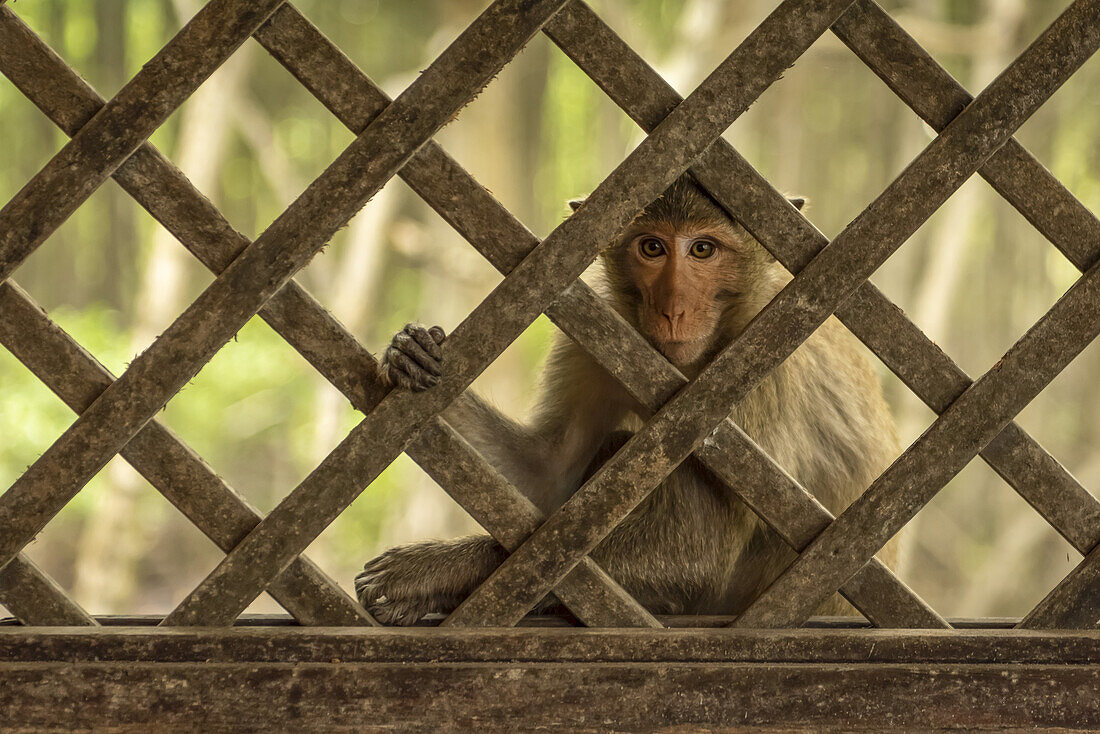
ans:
(680, 276)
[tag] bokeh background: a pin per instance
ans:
(974, 277)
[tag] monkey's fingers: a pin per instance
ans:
(412, 348)
(401, 371)
(438, 334)
(427, 341)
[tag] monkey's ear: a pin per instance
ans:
(797, 201)
(576, 204)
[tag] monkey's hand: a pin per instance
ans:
(434, 576)
(414, 359)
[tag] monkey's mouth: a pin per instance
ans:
(680, 352)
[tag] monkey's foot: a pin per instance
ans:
(414, 360)
(399, 587)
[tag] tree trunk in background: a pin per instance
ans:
(121, 245)
(119, 528)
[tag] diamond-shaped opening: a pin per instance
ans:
(683, 41)
(391, 42)
(979, 550)
(974, 277)
(402, 505)
(830, 131)
(1063, 418)
(541, 134)
(251, 138)
(111, 268)
(398, 262)
(119, 548)
(31, 418)
(975, 41)
(260, 414)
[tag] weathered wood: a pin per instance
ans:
(289, 644)
(505, 312)
(626, 479)
(586, 680)
(163, 459)
(556, 619)
(264, 267)
(162, 85)
(35, 598)
(597, 697)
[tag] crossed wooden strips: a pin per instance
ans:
(548, 554)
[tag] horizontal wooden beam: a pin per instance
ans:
(305, 679)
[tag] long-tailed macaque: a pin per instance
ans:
(689, 279)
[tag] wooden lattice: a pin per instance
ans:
(117, 415)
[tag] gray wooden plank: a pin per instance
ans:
(575, 697)
(306, 645)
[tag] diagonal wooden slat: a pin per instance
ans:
(581, 314)
(749, 198)
(164, 191)
(263, 268)
(140, 107)
(787, 321)
(162, 458)
(36, 599)
(524, 293)
(1074, 602)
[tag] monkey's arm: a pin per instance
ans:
(578, 405)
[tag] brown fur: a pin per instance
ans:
(691, 546)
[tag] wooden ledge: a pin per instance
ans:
(143, 678)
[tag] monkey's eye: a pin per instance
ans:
(702, 249)
(651, 247)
